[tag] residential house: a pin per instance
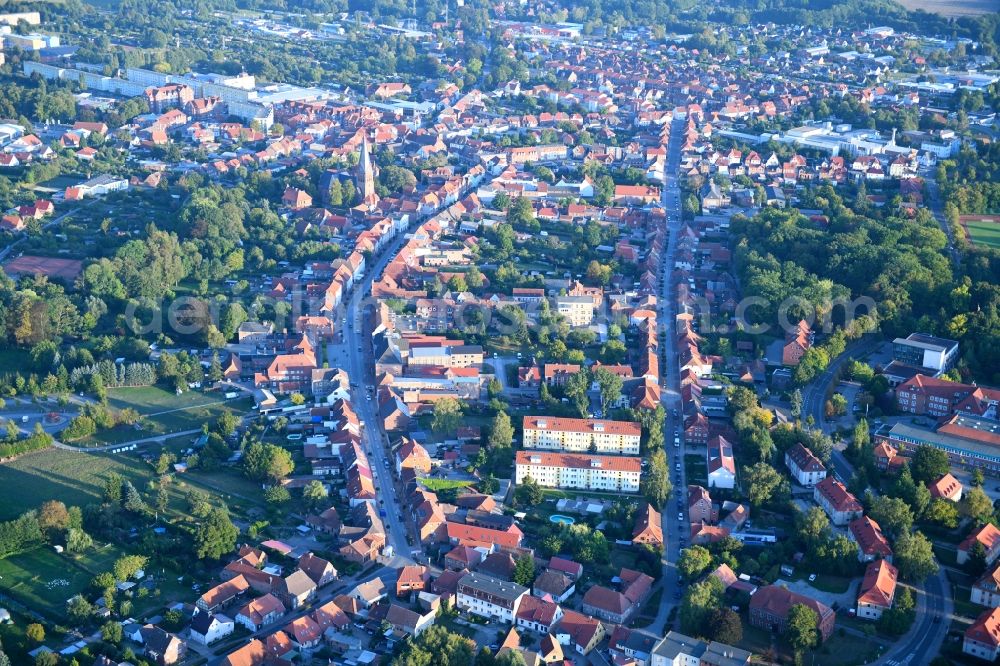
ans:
(259, 612)
(700, 509)
(872, 544)
(412, 578)
(769, 608)
(618, 606)
(721, 463)
(223, 594)
(947, 487)
(161, 647)
(840, 505)
(986, 590)
(805, 467)
(987, 535)
(538, 614)
(581, 632)
(982, 639)
(798, 340)
(296, 588)
(319, 570)
(554, 584)
(877, 591)
(489, 597)
(579, 471)
(648, 527)
(411, 455)
(581, 435)
(406, 622)
(206, 628)
(676, 649)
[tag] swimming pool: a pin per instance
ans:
(565, 520)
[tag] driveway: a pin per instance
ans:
(843, 600)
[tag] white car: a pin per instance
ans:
(680, 516)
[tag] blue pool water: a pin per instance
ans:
(565, 520)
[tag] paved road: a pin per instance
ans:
(814, 398)
(673, 528)
(936, 208)
(158, 439)
(358, 351)
(934, 611)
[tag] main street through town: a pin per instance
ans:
(354, 354)
(674, 528)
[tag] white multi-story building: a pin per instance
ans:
(805, 467)
(582, 435)
(489, 597)
(583, 471)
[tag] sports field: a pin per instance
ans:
(984, 233)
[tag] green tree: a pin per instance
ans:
(277, 494)
(914, 557)
(726, 626)
(79, 610)
(501, 432)
(802, 628)
(892, 514)
(977, 478)
(610, 385)
(655, 481)
(314, 493)
(437, 645)
(796, 401)
(860, 438)
(928, 464)
(943, 512)
(977, 505)
(112, 633)
(215, 536)
(528, 492)
(762, 481)
(267, 462)
(524, 570)
(78, 541)
(697, 605)
(35, 632)
(693, 561)
(813, 526)
(126, 566)
(447, 416)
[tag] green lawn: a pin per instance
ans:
(436, 485)
(45, 580)
(984, 233)
(164, 412)
(76, 478)
(695, 469)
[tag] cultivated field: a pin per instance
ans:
(72, 477)
(953, 8)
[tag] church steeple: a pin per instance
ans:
(366, 173)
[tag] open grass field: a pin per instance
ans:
(164, 412)
(76, 478)
(953, 8)
(984, 233)
(45, 580)
(434, 485)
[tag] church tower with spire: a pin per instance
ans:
(365, 175)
